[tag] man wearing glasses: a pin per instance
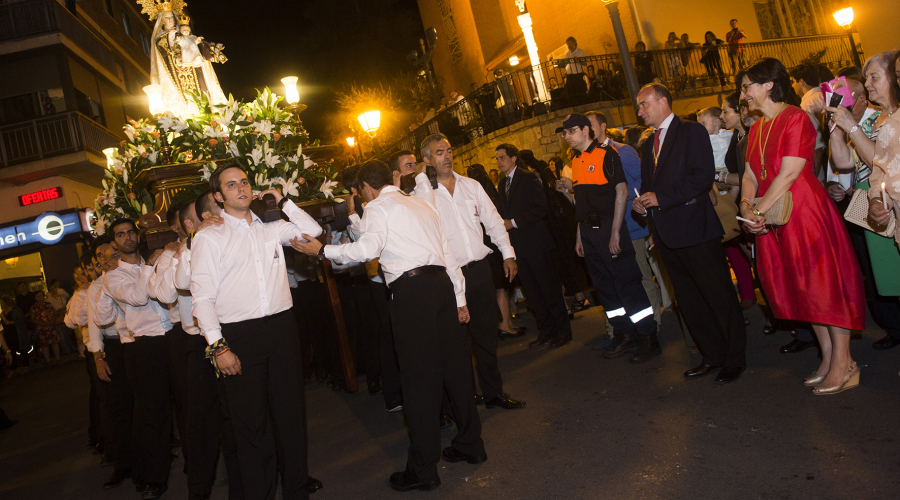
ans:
(601, 196)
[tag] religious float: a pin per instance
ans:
(195, 128)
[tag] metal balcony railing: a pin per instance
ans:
(20, 20)
(693, 71)
(52, 136)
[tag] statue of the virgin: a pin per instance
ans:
(178, 71)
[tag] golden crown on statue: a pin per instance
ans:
(155, 7)
(184, 19)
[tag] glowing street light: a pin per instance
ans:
(370, 121)
(514, 61)
(844, 17)
(291, 95)
(351, 141)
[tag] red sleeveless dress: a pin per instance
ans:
(807, 267)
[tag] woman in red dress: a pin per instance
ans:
(807, 266)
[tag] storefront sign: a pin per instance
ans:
(48, 228)
(39, 196)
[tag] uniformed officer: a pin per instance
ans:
(601, 194)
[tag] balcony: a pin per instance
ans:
(33, 18)
(515, 97)
(51, 136)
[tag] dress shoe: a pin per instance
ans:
(451, 454)
(313, 485)
(374, 387)
(116, 479)
(154, 491)
(647, 348)
(395, 407)
(796, 346)
(604, 342)
(541, 341)
(560, 341)
(728, 375)
(401, 482)
(503, 401)
(446, 422)
(700, 371)
(503, 334)
(479, 400)
(887, 342)
(813, 380)
(850, 380)
(623, 344)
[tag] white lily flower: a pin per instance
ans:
(272, 160)
(326, 188)
(152, 156)
(265, 128)
(214, 132)
(307, 163)
(290, 187)
(256, 155)
(286, 131)
(129, 131)
(233, 149)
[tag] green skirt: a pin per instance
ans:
(885, 257)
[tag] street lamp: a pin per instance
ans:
(514, 61)
(351, 141)
(369, 121)
(844, 18)
(292, 98)
(157, 108)
(624, 53)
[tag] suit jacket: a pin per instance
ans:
(527, 206)
(684, 173)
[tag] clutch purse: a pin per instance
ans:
(780, 212)
(726, 209)
(858, 213)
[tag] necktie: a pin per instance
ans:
(506, 188)
(656, 135)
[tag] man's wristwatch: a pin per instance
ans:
(321, 254)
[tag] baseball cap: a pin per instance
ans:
(574, 120)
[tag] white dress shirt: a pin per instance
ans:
(104, 318)
(238, 270)
(404, 233)
(163, 287)
(573, 68)
(76, 309)
(463, 214)
(128, 285)
(665, 128)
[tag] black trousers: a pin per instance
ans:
(204, 433)
(359, 316)
(390, 371)
(481, 299)
(148, 373)
(96, 427)
(266, 405)
(314, 310)
(178, 381)
(544, 293)
(434, 355)
(117, 407)
(617, 279)
(708, 301)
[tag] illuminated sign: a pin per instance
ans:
(39, 196)
(48, 228)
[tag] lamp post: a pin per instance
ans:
(351, 141)
(292, 98)
(844, 17)
(157, 108)
(624, 54)
(370, 121)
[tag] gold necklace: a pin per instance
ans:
(762, 146)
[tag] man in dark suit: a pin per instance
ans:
(677, 170)
(522, 206)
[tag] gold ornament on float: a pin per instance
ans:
(155, 7)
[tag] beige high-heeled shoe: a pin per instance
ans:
(850, 380)
(813, 380)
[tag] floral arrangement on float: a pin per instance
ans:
(262, 136)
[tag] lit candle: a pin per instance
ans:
(882, 195)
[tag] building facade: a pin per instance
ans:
(73, 74)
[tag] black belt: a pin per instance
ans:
(419, 271)
(470, 264)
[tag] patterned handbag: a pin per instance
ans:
(858, 213)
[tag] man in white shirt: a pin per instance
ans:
(464, 207)
(148, 360)
(428, 304)
(576, 86)
(241, 299)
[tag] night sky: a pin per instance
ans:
(326, 43)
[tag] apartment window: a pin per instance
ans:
(145, 42)
(126, 22)
(109, 9)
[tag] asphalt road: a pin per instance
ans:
(593, 429)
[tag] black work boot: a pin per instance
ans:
(647, 348)
(624, 343)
